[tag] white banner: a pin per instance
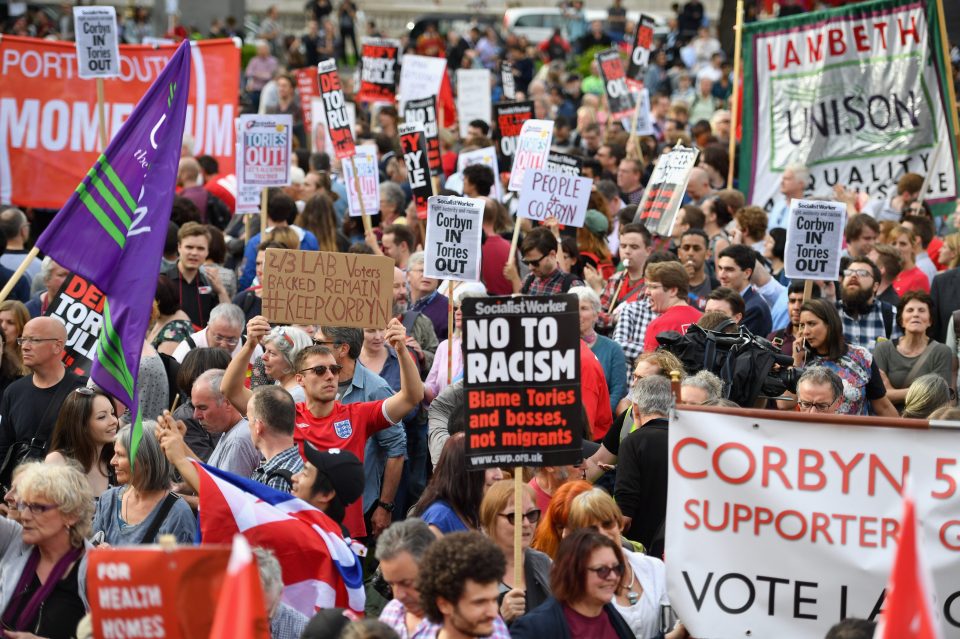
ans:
(642, 120)
(265, 142)
(454, 227)
(474, 97)
(558, 195)
(533, 147)
(98, 44)
(814, 239)
(368, 172)
(420, 77)
(779, 528)
(488, 157)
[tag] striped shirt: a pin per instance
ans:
(268, 472)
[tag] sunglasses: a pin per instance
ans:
(533, 263)
(532, 516)
(322, 369)
(604, 571)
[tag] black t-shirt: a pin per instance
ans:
(611, 441)
(61, 611)
(197, 298)
(27, 411)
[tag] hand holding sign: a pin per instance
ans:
(396, 335)
(814, 240)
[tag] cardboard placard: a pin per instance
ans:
(558, 195)
(413, 146)
(248, 196)
(308, 89)
(424, 111)
(661, 199)
(507, 81)
(814, 239)
(454, 227)
(330, 289)
(522, 381)
(642, 46)
(79, 305)
(335, 109)
(420, 77)
(488, 157)
(379, 62)
(265, 147)
(619, 98)
(320, 141)
(144, 591)
(474, 101)
(533, 147)
(98, 44)
(564, 163)
(508, 121)
(644, 120)
(368, 173)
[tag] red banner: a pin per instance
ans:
(308, 89)
(48, 116)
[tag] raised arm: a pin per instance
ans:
(232, 386)
(411, 387)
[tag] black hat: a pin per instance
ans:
(342, 469)
(326, 624)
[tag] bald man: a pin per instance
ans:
(31, 404)
(698, 187)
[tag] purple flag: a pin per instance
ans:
(112, 229)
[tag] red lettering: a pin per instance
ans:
(689, 508)
(864, 532)
(945, 477)
(329, 82)
(889, 531)
(807, 468)
(821, 524)
(764, 517)
(877, 466)
(954, 543)
(683, 472)
(791, 57)
(776, 467)
(881, 29)
(76, 287)
(771, 63)
(815, 49)
(791, 513)
(860, 37)
(837, 45)
(846, 469)
(741, 514)
(911, 30)
(751, 463)
(844, 520)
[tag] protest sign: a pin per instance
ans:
(98, 44)
(814, 239)
(141, 591)
(48, 114)
(558, 195)
(619, 99)
(857, 94)
(488, 157)
(661, 199)
(320, 141)
(474, 101)
(640, 54)
(413, 146)
(452, 246)
(508, 120)
(379, 61)
(420, 77)
(533, 147)
(368, 178)
(330, 289)
(507, 81)
(265, 143)
(564, 163)
(522, 381)
(79, 305)
(782, 527)
(308, 89)
(424, 111)
(335, 109)
(641, 119)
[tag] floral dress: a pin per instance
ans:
(175, 331)
(853, 367)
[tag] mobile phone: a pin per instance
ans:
(97, 539)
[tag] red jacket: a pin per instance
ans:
(594, 393)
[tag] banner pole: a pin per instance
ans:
(246, 229)
(948, 70)
(450, 329)
(807, 290)
(735, 95)
(518, 527)
(616, 295)
(263, 213)
(32, 255)
(512, 259)
(367, 226)
(101, 115)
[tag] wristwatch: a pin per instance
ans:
(387, 506)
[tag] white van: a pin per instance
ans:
(537, 24)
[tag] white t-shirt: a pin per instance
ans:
(644, 616)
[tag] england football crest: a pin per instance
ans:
(343, 429)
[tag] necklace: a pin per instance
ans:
(632, 595)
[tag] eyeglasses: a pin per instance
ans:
(533, 263)
(36, 509)
(232, 341)
(817, 407)
(34, 340)
(318, 342)
(532, 516)
(859, 272)
(322, 369)
(604, 571)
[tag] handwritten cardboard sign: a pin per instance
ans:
(533, 147)
(454, 227)
(558, 195)
(522, 381)
(265, 146)
(98, 44)
(814, 239)
(330, 289)
(149, 592)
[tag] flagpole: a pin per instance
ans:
(263, 213)
(512, 259)
(948, 70)
(32, 255)
(735, 93)
(450, 329)
(367, 226)
(101, 115)
(518, 527)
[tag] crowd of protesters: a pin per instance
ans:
(269, 402)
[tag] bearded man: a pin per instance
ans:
(865, 318)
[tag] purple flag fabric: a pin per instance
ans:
(112, 229)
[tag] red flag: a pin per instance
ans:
(241, 611)
(446, 106)
(908, 611)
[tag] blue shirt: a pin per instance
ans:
(179, 522)
(308, 242)
(441, 515)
